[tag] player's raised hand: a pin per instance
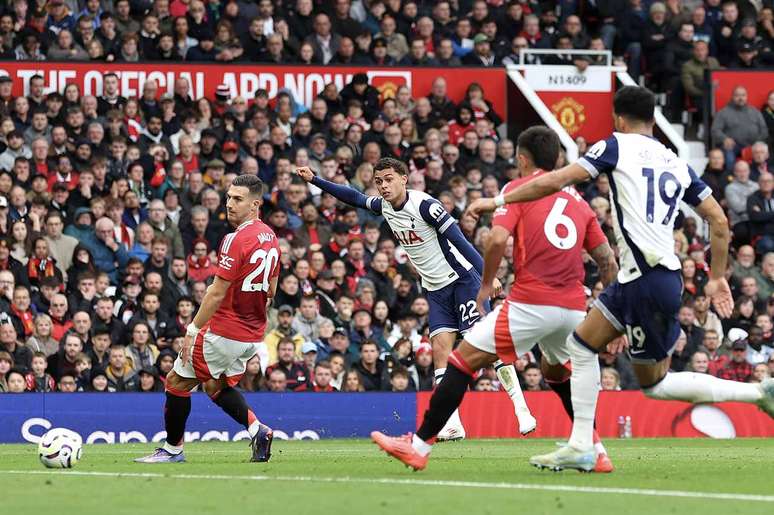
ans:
(305, 173)
(480, 206)
(720, 294)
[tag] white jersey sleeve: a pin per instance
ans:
(647, 183)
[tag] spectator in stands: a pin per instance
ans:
(295, 372)
(738, 369)
(727, 33)
(655, 38)
(119, 373)
(277, 382)
(324, 42)
(109, 255)
(737, 125)
(760, 210)
(9, 342)
(610, 380)
(64, 362)
(736, 194)
(761, 160)
(370, 368)
(41, 340)
(692, 74)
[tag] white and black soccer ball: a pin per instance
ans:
(60, 448)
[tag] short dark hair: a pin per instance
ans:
(636, 103)
(251, 182)
(390, 162)
(369, 342)
(541, 145)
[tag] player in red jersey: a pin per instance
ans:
(546, 302)
(228, 326)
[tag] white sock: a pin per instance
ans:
(585, 389)
(693, 387)
(254, 427)
(600, 448)
(510, 381)
(172, 449)
(438, 374)
(421, 446)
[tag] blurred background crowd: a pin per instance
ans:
(112, 208)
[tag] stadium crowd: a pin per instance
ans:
(669, 44)
(112, 208)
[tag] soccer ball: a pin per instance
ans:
(60, 448)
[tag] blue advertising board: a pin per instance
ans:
(138, 417)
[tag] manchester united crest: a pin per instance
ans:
(570, 115)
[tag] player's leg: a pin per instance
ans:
(652, 341)
(556, 368)
(658, 383)
(444, 328)
(176, 410)
(454, 307)
(591, 336)
(508, 377)
(516, 329)
(442, 344)
(231, 401)
(414, 451)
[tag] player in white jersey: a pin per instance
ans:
(647, 181)
(448, 264)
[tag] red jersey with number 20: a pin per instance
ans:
(249, 259)
(549, 236)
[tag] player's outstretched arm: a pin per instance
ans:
(546, 184)
(717, 287)
(216, 292)
(345, 194)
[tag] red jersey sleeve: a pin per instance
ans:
(229, 258)
(594, 235)
(507, 217)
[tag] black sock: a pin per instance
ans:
(446, 398)
(176, 412)
(233, 403)
(563, 391)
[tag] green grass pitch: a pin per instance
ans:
(697, 476)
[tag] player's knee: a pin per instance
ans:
(656, 391)
(212, 388)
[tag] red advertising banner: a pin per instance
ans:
(758, 83)
(490, 415)
(582, 114)
(581, 101)
(304, 82)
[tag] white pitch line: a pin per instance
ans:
(415, 482)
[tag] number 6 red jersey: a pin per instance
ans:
(249, 259)
(549, 236)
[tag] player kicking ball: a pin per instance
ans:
(647, 182)
(447, 263)
(545, 304)
(228, 326)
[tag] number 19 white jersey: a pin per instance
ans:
(647, 182)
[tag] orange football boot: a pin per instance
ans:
(399, 447)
